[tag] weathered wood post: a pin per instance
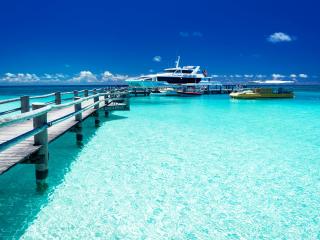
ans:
(96, 107)
(126, 101)
(57, 98)
(106, 103)
(41, 139)
(25, 104)
(86, 93)
(75, 93)
(78, 127)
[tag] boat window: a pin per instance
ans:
(186, 71)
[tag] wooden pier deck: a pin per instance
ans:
(18, 133)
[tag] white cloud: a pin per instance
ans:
(293, 75)
(248, 76)
(302, 75)
(47, 76)
(277, 76)
(197, 34)
(184, 34)
(53, 78)
(119, 77)
(85, 77)
(279, 37)
(274, 81)
(20, 78)
(157, 59)
(260, 76)
(108, 76)
(82, 77)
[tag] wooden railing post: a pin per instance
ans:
(86, 93)
(106, 99)
(96, 107)
(78, 127)
(106, 103)
(25, 104)
(75, 93)
(77, 107)
(96, 99)
(41, 139)
(57, 98)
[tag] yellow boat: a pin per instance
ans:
(257, 93)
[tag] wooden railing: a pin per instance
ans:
(58, 99)
(38, 113)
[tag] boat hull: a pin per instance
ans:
(178, 80)
(260, 96)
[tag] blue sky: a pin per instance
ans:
(94, 40)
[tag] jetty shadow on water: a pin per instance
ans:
(20, 201)
(113, 117)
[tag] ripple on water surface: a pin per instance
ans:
(201, 168)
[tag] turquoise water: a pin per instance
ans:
(178, 168)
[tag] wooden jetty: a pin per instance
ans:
(219, 89)
(139, 91)
(24, 137)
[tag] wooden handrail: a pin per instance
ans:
(39, 96)
(42, 96)
(23, 116)
(34, 113)
(9, 100)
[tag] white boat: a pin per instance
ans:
(176, 75)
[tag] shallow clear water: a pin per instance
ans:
(178, 168)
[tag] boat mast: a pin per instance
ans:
(177, 62)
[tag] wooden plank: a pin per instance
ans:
(16, 154)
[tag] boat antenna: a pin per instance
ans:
(177, 62)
